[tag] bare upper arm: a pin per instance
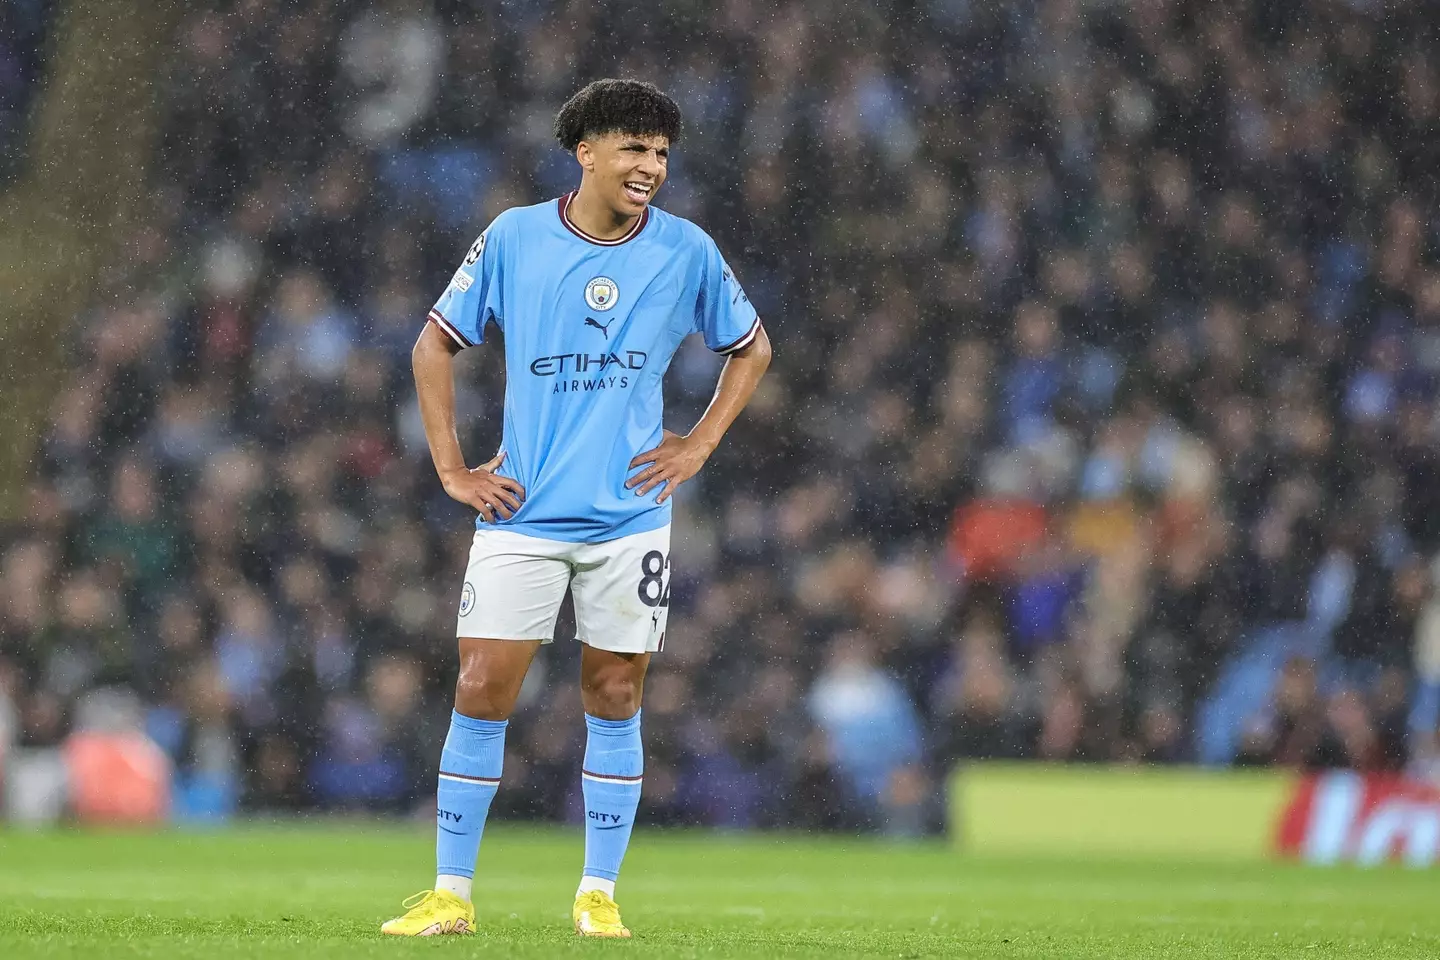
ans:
(757, 349)
(433, 338)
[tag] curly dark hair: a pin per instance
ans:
(617, 106)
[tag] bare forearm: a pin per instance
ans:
(677, 459)
(738, 381)
(433, 363)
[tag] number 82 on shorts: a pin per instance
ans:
(514, 585)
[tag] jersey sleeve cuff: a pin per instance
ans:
(743, 342)
(449, 329)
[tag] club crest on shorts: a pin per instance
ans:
(601, 293)
(467, 599)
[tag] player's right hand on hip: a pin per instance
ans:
(496, 497)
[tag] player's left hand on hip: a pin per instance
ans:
(676, 460)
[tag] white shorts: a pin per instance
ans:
(514, 585)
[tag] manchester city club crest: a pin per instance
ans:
(601, 293)
(467, 599)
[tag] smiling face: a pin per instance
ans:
(623, 170)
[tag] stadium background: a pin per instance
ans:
(1102, 424)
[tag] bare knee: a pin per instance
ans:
(484, 696)
(612, 694)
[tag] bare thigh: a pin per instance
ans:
(611, 684)
(491, 672)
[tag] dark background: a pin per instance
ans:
(1102, 424)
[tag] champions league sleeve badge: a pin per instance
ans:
(476, 248)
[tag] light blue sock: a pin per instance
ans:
(469, 776)
(610, 779)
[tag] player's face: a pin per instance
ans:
(627, 170)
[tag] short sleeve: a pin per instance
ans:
(472, 298)
(724, 315)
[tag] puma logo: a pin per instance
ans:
(592, 322)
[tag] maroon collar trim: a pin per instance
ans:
(564, 206)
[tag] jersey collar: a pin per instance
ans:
(564, 206)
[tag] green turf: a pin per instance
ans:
(317, 893)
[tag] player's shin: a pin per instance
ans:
(614, 763)
(469, 776)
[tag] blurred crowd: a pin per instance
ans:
(24, 32)
(1102, 425)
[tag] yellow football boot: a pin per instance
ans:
(596, 915)
(431, 913)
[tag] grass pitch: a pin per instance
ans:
(311, 892)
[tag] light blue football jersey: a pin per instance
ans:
(589, 326)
